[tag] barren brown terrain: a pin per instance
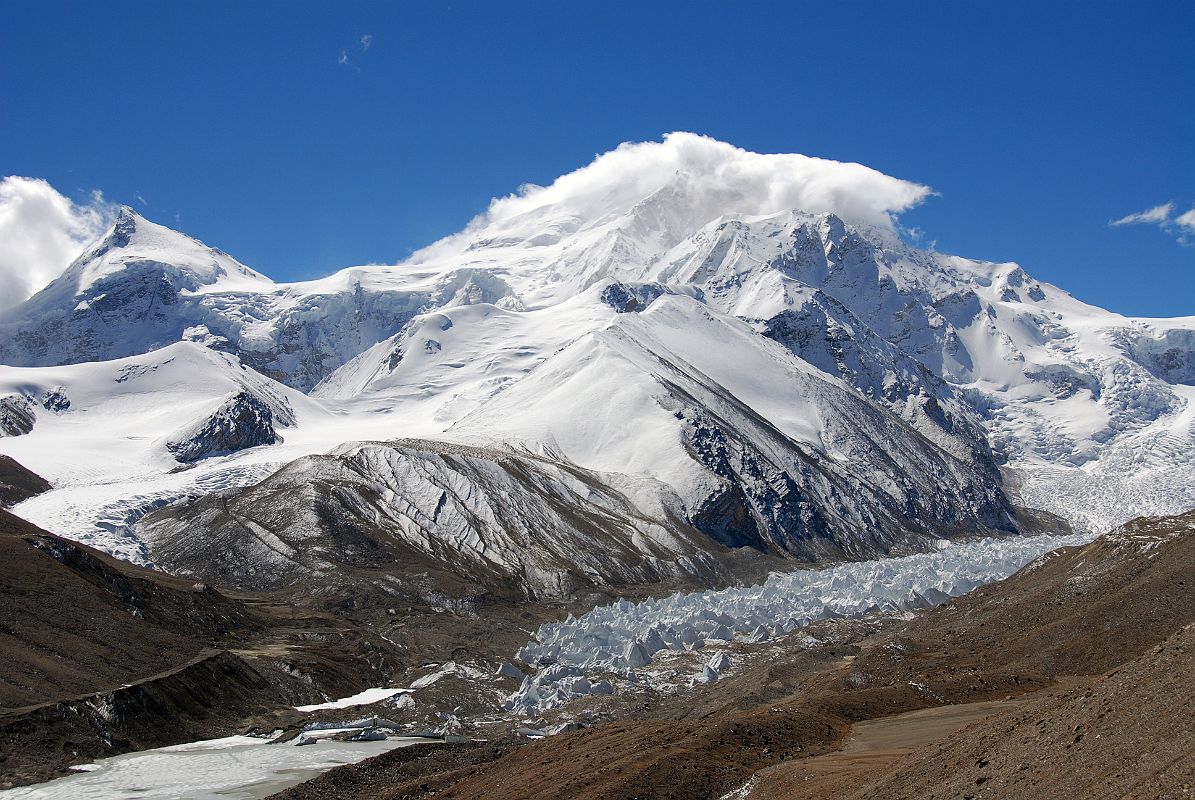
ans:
(872, 748)
(102, 657)
(18, 483)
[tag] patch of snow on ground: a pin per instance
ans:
(360, 699)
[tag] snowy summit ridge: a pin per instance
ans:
(738, 346)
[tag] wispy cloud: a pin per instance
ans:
(916, 235)
(363, 44)
(1158, 215)
(1181, 226)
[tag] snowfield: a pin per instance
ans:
(575, 657)
(360, 699)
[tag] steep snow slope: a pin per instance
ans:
(523, 328)
(763, 450)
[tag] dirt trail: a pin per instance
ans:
(869, 749)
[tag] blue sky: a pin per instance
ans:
(1036, 123)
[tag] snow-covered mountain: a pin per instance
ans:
(732, 343)
(144, 286)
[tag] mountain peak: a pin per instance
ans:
(124, 225)
(129, 229)
(134, 242)
(683, 183)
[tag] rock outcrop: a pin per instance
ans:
(242, 421)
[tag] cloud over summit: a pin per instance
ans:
(693, 180)
(41, 233)
(736, 181)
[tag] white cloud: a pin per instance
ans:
(41, 233)
(366, 41)
(1181, 226)
(708, 179)
(1154, 216)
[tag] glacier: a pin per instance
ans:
(573, 656)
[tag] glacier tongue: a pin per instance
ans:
(623, 637)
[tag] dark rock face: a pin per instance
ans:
(780, 498)
(243, 421)
(629, 297)
(56, 400)
(16, 416)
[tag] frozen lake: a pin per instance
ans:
(232, 768)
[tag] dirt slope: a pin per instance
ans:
(77, 621)
(100, 657)
(1130, 734)
(871, 749)
(18, 483)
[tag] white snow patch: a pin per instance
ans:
(360, 699)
